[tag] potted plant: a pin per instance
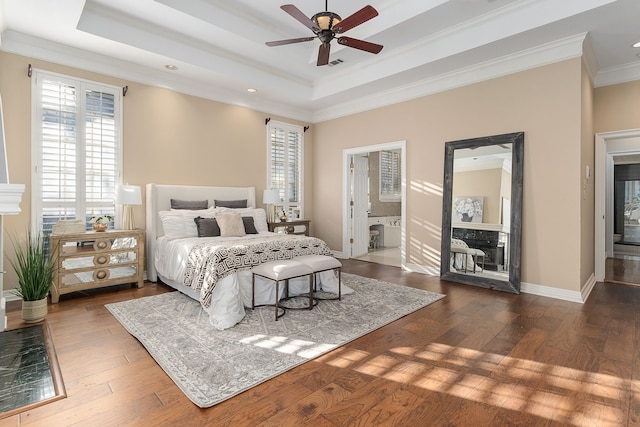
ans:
(36, 271)
(100, 222)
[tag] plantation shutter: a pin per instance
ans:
(390, 176)
(77, 138)
(285, 166)
(59, 138)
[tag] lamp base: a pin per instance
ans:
(127, 218)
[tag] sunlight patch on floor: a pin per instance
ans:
(553, 392)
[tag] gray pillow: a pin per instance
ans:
(207, 227)
(189, 204)
(230, 203)
(249, 226)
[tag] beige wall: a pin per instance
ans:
(616, 107)
(175, 138)
(484, 183)
(544, 102)
(168, 137)
(587, 189)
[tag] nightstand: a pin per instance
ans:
(290, 226)
(97, 259)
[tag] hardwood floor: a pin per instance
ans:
(624, 270)
(475, 358)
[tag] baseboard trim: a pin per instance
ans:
(588, 287)
(548, 291)
(527, 288)
(9, 295)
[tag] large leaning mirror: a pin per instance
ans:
(482, 211)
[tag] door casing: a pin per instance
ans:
(346, 193)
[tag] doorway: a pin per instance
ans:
(614, 261)
(364, 212)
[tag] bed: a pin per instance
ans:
(217, 270)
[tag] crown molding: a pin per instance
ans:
(45, 50)
(548, 53)
(616, 75)
(560, 50)
(589, 58)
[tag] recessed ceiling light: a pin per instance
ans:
(637, 44)
(171, 67)
(252, 90)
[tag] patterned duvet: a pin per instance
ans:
(209, 262)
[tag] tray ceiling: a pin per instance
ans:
(219, 46)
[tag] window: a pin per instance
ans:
(77, 134)
(284, 167)
(390, 176)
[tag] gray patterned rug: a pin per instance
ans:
(210, 365)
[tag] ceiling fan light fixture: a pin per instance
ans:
(325, 25)
(326, 20)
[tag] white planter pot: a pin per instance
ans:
(34, 311)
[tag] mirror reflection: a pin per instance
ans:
(481, 208)
(482, 211)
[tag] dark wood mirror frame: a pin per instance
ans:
(515, 236)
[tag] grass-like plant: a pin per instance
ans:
(35, 268)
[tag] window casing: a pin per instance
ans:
(285, 166)
(77, 148)
(390, 176)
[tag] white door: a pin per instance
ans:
(360, 202)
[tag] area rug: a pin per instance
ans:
(210, 366)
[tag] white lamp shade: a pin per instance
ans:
(128, 195)
(270, 197)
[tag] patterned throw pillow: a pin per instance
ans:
(231, 225)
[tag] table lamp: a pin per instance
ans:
(128, 196)
(271, 198)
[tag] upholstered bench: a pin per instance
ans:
(460, 247)
(320, 263)
(278, 271)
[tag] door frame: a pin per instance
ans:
(346, 193)
(608, 144)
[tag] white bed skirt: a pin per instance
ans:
(233, 293)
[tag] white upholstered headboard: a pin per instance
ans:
(159, 199)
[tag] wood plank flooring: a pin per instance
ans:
(622, 270)
(475, 358)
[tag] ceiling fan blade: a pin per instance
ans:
(323, 54)
(363, 15)
(289, 41)
(300, 17)
(360, 44)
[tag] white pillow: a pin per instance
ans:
(179, 223)
(260, 220)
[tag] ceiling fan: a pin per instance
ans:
(325, 25)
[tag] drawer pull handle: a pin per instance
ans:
(101, 274)
(102, 245)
